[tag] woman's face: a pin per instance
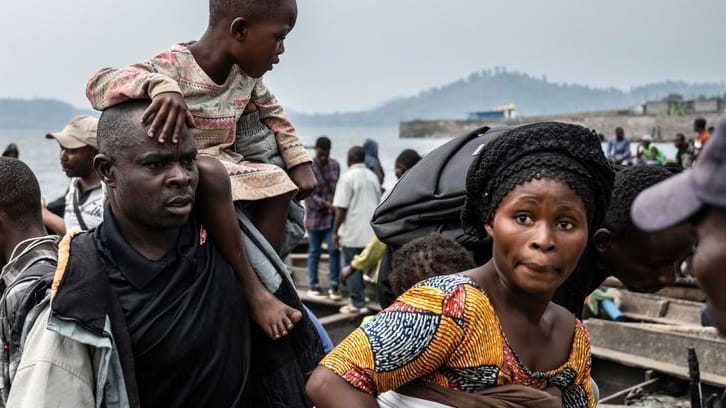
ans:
(539, 232)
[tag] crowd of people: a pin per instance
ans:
(159, 279)
(646, 152)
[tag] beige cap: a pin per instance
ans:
(79, 132)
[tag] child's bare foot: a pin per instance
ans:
(273, 316)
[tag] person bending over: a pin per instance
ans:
(494, 325)
(696, 197)
(28, 259)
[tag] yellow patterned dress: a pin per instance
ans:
(444, 331)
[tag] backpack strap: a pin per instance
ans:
(86, 273)
(77, 210)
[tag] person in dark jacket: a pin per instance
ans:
(372, 162)
(28, 260)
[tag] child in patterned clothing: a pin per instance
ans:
(212, 85)
(491, 332)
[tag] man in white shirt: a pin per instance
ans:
(356, 197)
(85, 198)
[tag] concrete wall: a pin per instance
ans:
(602, 122)
(656, 108)
(709, 105)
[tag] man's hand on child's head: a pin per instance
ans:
(303, 177)
(167, 113)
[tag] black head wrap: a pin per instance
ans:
(549, 150)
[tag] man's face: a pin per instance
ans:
(322, 155)
(680, 141)
(154, 184)
(709, 261)
(265, 41)
(647, 262)
(77, 162)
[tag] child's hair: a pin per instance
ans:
(549, 150)
(250, 9)
(425, 257)
(629, 182)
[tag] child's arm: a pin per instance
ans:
(291, 147)
(152, 79)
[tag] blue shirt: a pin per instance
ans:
(618, 149)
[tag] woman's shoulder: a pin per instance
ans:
(565, 323)
(447, 283)
(567, 326)
(447, 292)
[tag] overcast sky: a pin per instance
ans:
(354, 54)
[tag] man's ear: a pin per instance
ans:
(602, 240)
(104, 168)
(238, 28)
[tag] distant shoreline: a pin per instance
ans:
(662, 128)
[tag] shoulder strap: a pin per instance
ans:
(77, 209)
(84, 246)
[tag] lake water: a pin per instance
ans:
(42, 154)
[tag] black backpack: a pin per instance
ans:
(429, 197)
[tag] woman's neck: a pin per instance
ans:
(511, 301)
(212, 57)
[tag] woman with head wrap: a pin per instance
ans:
(491, 332)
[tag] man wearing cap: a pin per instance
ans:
(698, 196)
(84, 199)
(648, 153)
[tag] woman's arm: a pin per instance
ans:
(327, 390)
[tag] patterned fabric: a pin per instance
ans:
(444, 331)
(317, 214)
(216, 109)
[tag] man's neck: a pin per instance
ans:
(14, 237)
(88, 182)
(152, 243)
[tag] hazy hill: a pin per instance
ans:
(43, 114)
(480, 91)
(489, 88)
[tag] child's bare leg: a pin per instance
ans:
(214, 199)
(270, 218)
